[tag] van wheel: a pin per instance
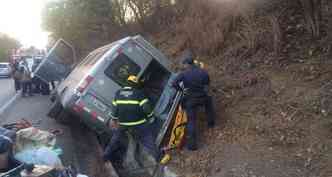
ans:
(53, 97)
(55, 110)
(63, 117)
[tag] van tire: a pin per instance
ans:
(55, 110)
(63, 117)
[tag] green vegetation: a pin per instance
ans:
(270, 70)
(6, 45)
(91, 23)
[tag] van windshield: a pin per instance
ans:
(120, 69)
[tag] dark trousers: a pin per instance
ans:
(17, 84)
(45, 88)
(36, 83)
(142, 132)
(191, 106)
(27, 87)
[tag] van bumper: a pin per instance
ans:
(87, 116)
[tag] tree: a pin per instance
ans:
(7, 44)
(120, 8)
(84, 23)
(329, 26)
(91, 23)
(313, 16)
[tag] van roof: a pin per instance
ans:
(121, 41)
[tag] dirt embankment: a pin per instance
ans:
(272, 89)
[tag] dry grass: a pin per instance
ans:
(230, 27)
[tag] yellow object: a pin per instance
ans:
(178, 129)
(165, 159)
(177, 134)
(133, 78)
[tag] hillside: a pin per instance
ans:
(270, 64)
(272, 89)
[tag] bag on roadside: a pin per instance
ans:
(33, 138)
(40, 156)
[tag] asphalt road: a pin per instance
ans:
(6, 90)
(78, 145)
(35, 109)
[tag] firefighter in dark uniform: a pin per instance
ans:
(131, 112)
(195, 87)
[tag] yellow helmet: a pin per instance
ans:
(199, 64)
(133, 79)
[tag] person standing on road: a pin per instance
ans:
(131, 112)
(17, 76)
(26, 81)
(195, 82)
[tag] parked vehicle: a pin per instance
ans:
(87, 88)
(5, 70)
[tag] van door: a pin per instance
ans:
(58, 63)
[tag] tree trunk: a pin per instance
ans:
(329, 27)
(313, 14)
(135, 10)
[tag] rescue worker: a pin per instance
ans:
(131, 112)
(195, 87)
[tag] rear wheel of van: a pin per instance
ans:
(63, 117)
(55, 110)
(58, 113)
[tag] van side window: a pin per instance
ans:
(120, 69)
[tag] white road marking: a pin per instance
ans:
(9, 103)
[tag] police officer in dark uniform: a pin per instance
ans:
(195, 86)
(131, 111)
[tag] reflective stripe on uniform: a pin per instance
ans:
(130, 102)
(114, 103)
(143, 102)
(113, 117)
(126, 102)
(133, 123)
(151, 114)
